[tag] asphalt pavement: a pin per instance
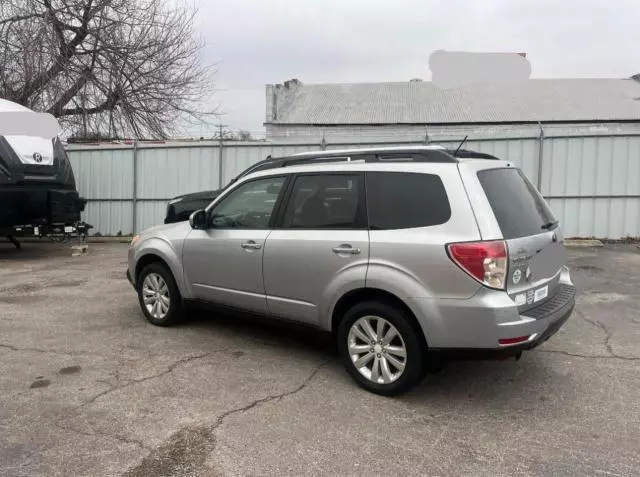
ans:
(88, 388)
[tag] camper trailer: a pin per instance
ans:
(38, 193)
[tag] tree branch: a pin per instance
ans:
(108, 105)
(20, 18)
(122, 66)
(66, 52)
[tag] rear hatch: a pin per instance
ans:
(532, 234)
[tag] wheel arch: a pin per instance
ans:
(148, 259)
(360, 295)
(156, 250)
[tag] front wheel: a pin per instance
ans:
(159, 296)
(380, 348)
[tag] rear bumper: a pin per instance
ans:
(479, 323)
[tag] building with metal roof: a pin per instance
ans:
(417, 109)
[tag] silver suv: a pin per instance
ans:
(399, 252)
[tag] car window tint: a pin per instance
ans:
(400, 200)
(324, 202)
(519, 209)
(249, 206)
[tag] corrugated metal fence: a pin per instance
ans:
(591, 182)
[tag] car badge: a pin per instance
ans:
(517, 275)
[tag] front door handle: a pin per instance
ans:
(346, 248)
(251, 245)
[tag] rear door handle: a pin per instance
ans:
(346, 248)
(251, 245)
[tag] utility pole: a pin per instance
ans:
(84, 114)
(220, 159)
(220, 134)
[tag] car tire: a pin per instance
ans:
(360, 357)
(157, 285)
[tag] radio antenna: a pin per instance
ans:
(463, 141)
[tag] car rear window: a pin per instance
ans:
(519, 209)
(402, 200)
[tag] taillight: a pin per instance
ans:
(484, 261)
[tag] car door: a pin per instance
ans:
(320, 246)
(223, 263)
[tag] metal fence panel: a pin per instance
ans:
(103, 174)
(591, 182)
(602, 217)
(163, 173)
(109, 218)
(523, 152)
(594, 166)
(150, 213)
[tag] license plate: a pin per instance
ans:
(541, 293)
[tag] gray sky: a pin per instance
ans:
(254, 42)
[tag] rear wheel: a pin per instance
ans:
(159, 296)
(380, 348)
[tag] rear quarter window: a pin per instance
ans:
(517, 205)
(402, 200)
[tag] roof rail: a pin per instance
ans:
(386, 155)
(422, 154)
(468, 154)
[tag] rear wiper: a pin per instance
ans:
(549, 225)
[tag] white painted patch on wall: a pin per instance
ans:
(454, 69)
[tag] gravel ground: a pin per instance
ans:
(88, 388)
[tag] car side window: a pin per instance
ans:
(250, 206)
(331, 201)
(401, 200)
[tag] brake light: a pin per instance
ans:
(484, 261)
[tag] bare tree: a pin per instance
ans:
(120, 67)
(244, 135)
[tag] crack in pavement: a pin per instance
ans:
(133, 382)
(59, 422)
(607, 338)
(186, 450)
(588, 356)
(220, 420)
(64, 353)
(607, 334)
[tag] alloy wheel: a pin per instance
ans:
(377, 349)
(155, 294)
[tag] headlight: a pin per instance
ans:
(134, 240)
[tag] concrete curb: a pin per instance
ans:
(109, 239)
(583, 243)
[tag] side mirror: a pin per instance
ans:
(198, 220)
